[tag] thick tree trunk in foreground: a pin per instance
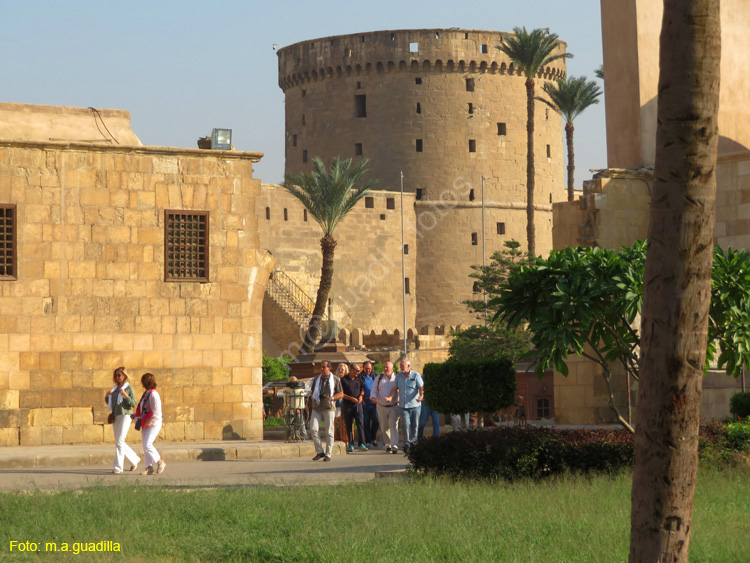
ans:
(327, 246)
(530, 228)
(677, 283)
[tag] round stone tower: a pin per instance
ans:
(446, 108)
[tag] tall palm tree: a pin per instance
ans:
(677, 282)
(328, 194)
(569, 97)
(530, 52)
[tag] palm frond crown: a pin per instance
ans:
(570, 96)
(531, 50)
(330, 193)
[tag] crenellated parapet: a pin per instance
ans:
(412, 50)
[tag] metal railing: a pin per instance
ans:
(291, 297)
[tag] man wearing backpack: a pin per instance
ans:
(326, 391)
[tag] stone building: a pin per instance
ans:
(113, 253)
(445, 108)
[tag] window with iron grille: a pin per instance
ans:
(186, 246)
(8, 242)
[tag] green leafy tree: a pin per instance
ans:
(274, 368)
(571, 96)
(329, 194)
(531, 52)
(583, 301)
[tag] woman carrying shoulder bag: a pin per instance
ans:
(150, 418)
(121, 401)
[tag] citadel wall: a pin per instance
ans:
(89, 291)
(446, 108)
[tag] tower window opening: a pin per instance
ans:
(419, 145)
(437, 35)
(406, 249)
(369, 202)
(304, 215)
(546, 113)
(474, 239)
(475, 288)
(303, 119)
(360, 105)
(393, 36)
(420, 193)
(418, 80)
(358, 149)
(484, 48)
(347, 52)
(419, 107)
(362, 38)
(304, 156)
(466, 35)
(471, 194)
(502, 129)
(294, 140)
(382, 216)
(501, 228)
(414, 47)
(268, 213)
(286, 214)
(543, 408)
(390, 203)
(549, 151)
(471, 109)
(359, 85)
(407, 289)
(304, 93)
(469, 84)
(472, 145)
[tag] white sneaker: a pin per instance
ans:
(160, 466)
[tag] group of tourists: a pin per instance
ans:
(147, 416)
(374, 401)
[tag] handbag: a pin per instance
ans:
(138, 424)
(111, 418)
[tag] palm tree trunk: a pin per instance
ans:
(677, 286)
(571, 159)
(327, 246)
(530, 229)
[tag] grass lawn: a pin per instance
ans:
(574, 519)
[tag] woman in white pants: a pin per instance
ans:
(149, 413)
(121, 401)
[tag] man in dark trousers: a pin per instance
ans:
(351, 407)
(369, 408)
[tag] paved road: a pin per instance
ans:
(356, 467)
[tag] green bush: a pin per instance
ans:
(738, 434)
(739, 404)
(274, 422)
(470, 386)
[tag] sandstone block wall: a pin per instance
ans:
(367, 282)
(90, 294)
(733, 201)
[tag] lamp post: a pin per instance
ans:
(403, 262)
(484, 254)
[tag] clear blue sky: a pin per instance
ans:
(184, 67)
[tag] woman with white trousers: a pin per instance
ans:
(149, 413)
(121, 402)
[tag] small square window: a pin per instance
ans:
(347, 52)
(484, 48)
(472, 145)
(390, 203)
(369, 202)
(419, 145)
(501, 129)
(418, 81)
(359, 85)
(474, 239)
(406, 249)
(382, 216)
(186, 246)
(304, 156)
(8, 242)
(358, 149)
(466, 35)
(414, 47)
(501, 228)
(420, 193)
(469, 84)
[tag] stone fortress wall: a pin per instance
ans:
(445, 107)
(89, 292)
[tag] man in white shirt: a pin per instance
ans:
(326, 391)
(388, 411)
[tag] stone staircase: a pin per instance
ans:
(291, 298)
